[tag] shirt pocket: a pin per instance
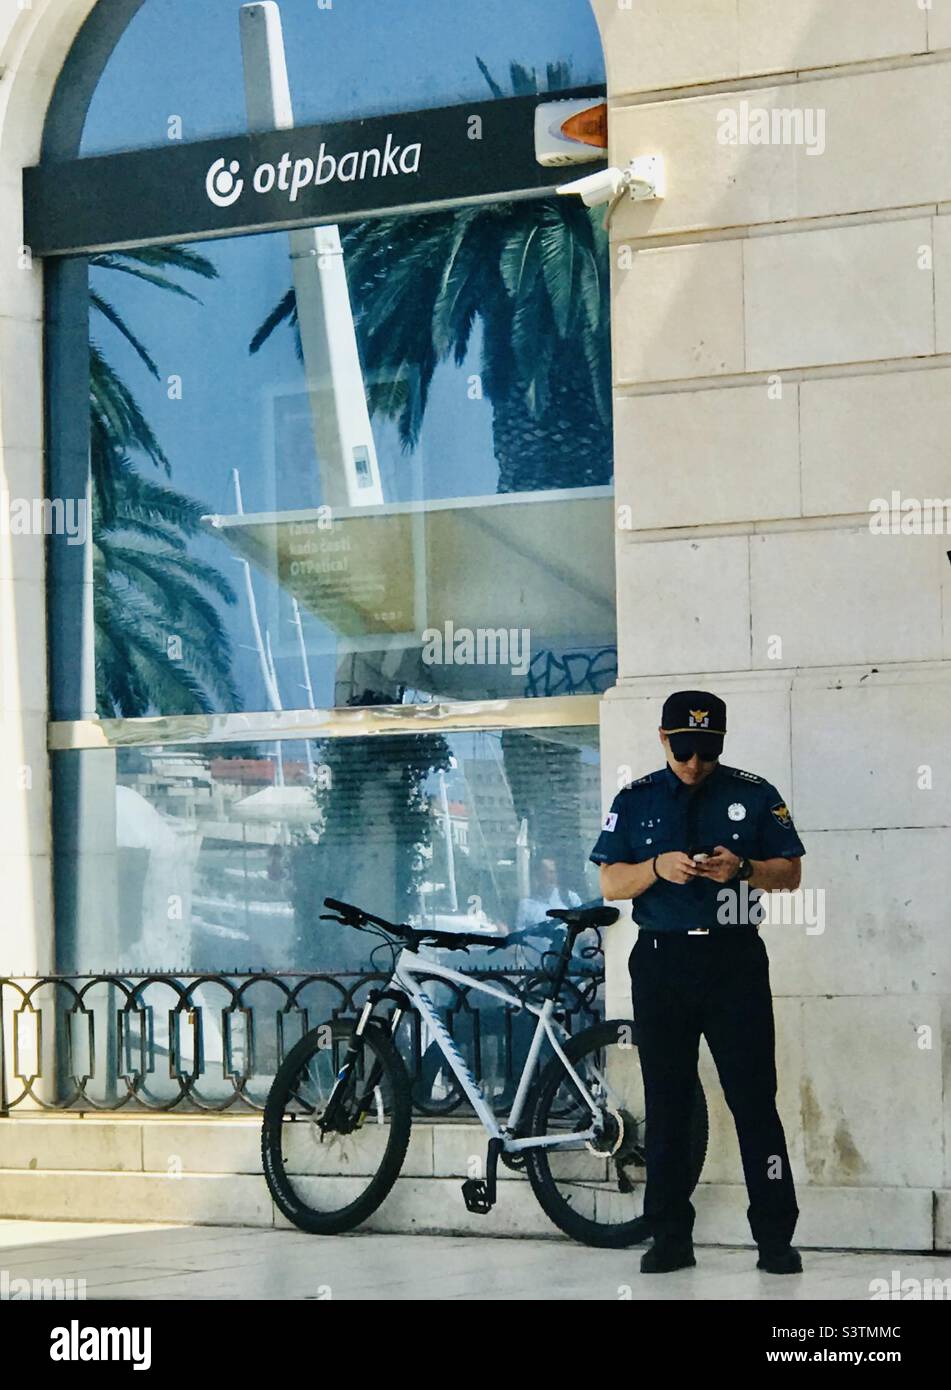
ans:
(647, 839)
(739, 837)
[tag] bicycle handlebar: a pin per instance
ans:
(576, 919)
(352, 916)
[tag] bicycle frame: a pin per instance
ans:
(408, 965)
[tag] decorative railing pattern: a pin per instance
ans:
(212, 1042)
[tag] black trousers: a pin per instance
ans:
(716, 986)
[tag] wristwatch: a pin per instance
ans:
(745, 870)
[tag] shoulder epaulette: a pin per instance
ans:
(641, 782)
(745, 776)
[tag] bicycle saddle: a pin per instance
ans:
(585, 917)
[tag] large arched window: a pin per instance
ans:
(340, 455)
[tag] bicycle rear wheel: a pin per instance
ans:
(328, 1181)
(593, 1191)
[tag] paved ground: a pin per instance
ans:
(217, 1262)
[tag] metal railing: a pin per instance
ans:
(197, 1042)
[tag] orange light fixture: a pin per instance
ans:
(588, 127)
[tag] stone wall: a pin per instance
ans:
(35, 37)
(782, 327)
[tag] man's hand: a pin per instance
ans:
(677, 867)
(721, 866)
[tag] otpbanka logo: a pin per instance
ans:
(225, 184)
(75, 1343)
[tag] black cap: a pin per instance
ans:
(694, 719)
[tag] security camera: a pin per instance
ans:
(595, 189)
(643, 178)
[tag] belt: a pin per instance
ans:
(701, 931)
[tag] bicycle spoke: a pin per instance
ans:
(327, 1166)
(582, 1184)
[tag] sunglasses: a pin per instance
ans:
(707, 748)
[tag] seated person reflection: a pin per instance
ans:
(546, 893)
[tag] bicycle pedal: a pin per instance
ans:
(475, 1194)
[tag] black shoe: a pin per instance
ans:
(665, 1256)
(784, 1261)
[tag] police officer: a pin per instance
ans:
(687, 844)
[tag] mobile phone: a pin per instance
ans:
(700, 855)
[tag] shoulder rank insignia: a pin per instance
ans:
(641, 782)
(746, 776)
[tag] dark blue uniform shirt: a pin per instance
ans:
(659, 813)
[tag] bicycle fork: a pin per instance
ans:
(328, 1120)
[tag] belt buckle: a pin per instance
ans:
(699, 931)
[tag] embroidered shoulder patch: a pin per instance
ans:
(782, 814)
(610, 821)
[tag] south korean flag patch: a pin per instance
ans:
(610, 821)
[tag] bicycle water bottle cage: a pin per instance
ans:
(479, 1193)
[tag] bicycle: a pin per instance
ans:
(527, 951)
(335, 1132)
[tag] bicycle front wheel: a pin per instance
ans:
(593, 1189)
(328, 1179)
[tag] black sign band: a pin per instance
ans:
(290, 178)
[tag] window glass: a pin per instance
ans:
(218, 858)
(176, 72)
(365, 463)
